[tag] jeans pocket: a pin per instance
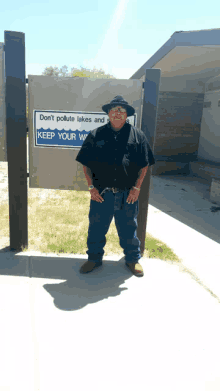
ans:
(104, 191)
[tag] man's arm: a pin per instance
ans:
(141, 175)
(88, 174)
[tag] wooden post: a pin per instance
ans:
(148, 126)
(16, 138)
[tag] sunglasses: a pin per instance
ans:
(119, 109)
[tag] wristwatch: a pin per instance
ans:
(91, 187)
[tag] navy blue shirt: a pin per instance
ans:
(115, 157)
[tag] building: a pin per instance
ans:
(188, 118)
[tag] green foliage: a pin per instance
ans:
(51, 71)
(77, 72)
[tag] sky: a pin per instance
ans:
(117, 36)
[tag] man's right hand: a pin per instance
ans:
(95, 196)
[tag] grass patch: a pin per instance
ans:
(60, 223)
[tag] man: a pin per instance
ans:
(115, 160)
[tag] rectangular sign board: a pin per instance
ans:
(66, 129)
(61, 113)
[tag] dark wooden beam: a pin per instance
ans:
(16, 138)
(148, 126)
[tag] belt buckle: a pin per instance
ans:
(114, 189)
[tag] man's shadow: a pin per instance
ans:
(78, 290)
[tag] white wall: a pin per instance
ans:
(209, 145)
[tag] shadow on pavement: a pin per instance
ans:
(78, 290)
(186, 198)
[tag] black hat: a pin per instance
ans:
(119, 101)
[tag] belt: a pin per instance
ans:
(113, 189)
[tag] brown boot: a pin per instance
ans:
(89, 266)
(135, 268)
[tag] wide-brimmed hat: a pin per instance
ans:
(119, 101)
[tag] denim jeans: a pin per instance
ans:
(100, 218)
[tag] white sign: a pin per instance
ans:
(67, 128)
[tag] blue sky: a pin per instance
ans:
(119, 36)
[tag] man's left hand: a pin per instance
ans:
(133, 195)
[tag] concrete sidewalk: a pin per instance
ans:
(182, 216)
(109, 329)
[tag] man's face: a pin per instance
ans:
(117, 116)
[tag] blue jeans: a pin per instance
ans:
(100, 218)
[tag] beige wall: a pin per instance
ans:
(209, 145)
(188, 68)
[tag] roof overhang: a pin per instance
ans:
(182, 38)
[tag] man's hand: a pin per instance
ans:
(133, 195)
(95, 196)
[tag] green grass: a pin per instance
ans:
(60, 225)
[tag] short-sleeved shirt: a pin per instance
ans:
(115, 157)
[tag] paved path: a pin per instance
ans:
(181, 215)
(105, 331)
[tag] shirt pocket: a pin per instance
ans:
(100, 144)
(101, 151)
(131, 153)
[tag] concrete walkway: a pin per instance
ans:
(110, 330)
(182, 216)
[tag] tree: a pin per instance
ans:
(51, 71)
(64, 71)
(94, 73)
(77, 72)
